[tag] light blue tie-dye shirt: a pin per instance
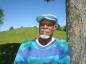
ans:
(32, 52)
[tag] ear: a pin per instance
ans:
(54, 27)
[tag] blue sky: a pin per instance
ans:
(19, 13)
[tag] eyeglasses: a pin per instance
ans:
(48, 24)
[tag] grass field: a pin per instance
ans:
(10, 41)
(21, 34)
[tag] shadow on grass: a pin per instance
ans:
(8, 52)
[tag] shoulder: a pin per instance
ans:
(62, 43)
(27, 43)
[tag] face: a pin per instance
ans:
(46, 28)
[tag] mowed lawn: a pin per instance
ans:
(21, 34)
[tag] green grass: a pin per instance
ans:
(60, 34)
(21, 34)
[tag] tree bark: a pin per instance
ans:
(76, 30)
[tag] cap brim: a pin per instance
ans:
(40, 18)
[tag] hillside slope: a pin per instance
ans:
(21, 34)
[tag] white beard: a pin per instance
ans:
(45, 36)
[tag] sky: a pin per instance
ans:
(23, 13)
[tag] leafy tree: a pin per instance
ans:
(48, 1)
(11, 28)
(1, 16)
(58, 27)
(64, 28)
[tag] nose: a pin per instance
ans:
(45, 26)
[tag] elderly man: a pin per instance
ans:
(45, 49)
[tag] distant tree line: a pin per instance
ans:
(63, 28)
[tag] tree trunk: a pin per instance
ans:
(76, 30)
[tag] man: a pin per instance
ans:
(45, 49)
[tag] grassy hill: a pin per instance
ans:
(21, 34)
(18, 35)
